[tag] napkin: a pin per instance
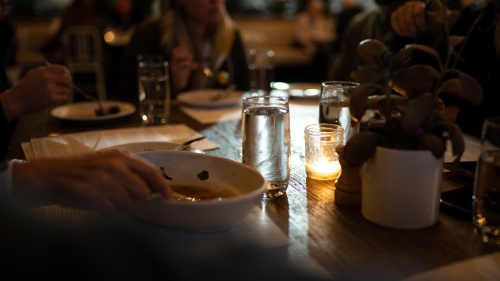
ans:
(210, 116)
(84, 142)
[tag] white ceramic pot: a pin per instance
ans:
(401, 188)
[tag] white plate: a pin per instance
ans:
(206, 98)
(85, 111)
(137, 147)
(299, 90)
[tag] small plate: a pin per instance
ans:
(299, 90)
(207, 98)
(136, 147)
(85, 111)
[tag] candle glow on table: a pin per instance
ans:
(322, 161)
(323, 169)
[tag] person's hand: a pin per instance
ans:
(182, 64)
(39, 88)
(409, 19)
(105, 182)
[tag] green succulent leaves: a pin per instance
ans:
(406, 95)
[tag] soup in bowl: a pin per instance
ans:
(212, 193)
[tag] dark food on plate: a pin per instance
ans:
(107, 110)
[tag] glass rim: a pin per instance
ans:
(318, 133)
(283, 100)
(335, 83)
(329, 128)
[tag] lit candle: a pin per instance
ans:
(322, 161)
(323, 169)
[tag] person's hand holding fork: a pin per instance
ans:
(39, 88)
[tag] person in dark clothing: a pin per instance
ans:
(350, 8)
(40, 87)
(198, 38)
(372, 23)
(480, 56)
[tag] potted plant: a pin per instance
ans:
(413, 131)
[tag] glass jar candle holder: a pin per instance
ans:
(322, 161)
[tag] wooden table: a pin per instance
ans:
(338, 238)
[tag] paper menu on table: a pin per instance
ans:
(210, 116)
(84, 142)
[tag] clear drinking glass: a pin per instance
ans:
(322, 160)
(334, 105)
(266, 140)
(261, 71)
(486, 198)
(154, 89)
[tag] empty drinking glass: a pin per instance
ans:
(486, 199)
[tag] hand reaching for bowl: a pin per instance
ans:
(107, 182)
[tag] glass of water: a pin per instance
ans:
(266, 140)
(334, 106)
(154, 89)
(261, 71)
(486, 198)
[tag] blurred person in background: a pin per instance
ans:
(314, 33)
(77, 12)
(374, 23)
(123, 16)
(350, 8)
(198, 38)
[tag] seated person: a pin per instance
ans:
(103, 182)
(198, 38)
(39, 88)
(107, 183)
(314, 32)
(372, 23)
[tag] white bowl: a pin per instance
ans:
(207, 171)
